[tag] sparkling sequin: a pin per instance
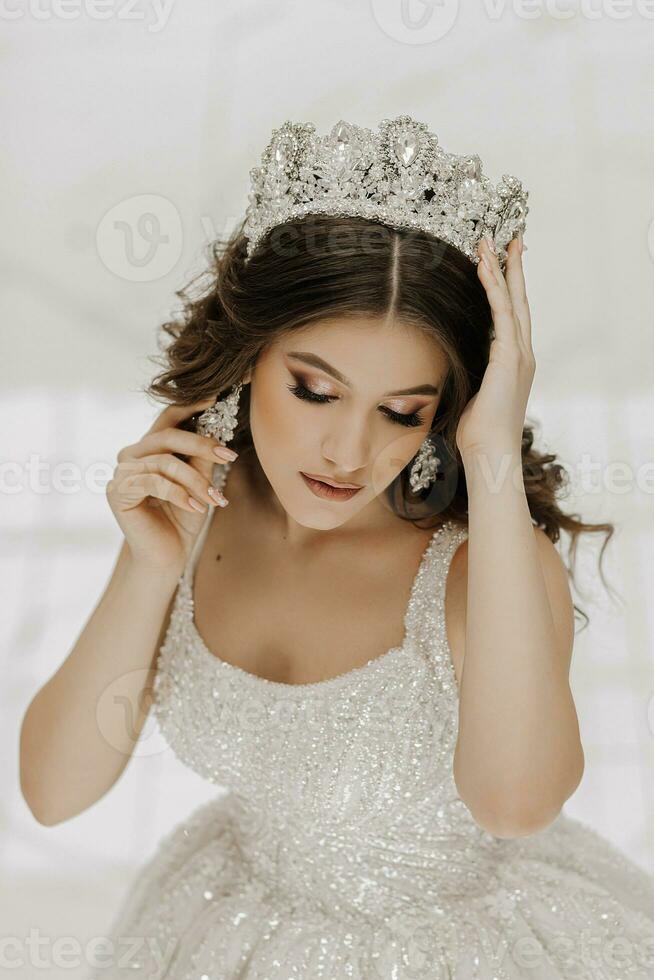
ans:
(341, 848)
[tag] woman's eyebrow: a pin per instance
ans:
(318, 362)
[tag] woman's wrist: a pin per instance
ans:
(142, 576)
(492, 467)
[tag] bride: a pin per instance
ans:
(355, 618)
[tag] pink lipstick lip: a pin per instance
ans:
(332, 483)
(327, 492)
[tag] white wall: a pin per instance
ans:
(96, 114)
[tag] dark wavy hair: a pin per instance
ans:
(322, 267)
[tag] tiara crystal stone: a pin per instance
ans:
(399, 176)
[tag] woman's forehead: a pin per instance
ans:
(350, 336)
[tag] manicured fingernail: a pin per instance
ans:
(491, 243)
(224, 452)
(196, 503)
(520, 245)
(218, 496)
(487, 263)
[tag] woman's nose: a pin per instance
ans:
(347, 449)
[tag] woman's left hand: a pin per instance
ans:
(493, 419)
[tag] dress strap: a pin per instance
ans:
(426, 613)
(219, 476)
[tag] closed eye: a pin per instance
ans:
(302, 392)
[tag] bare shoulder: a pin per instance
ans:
(557, 585)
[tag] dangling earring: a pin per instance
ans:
(425, 466)
(220, 419)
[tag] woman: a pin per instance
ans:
(370, 644)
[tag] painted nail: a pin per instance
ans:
(196, 503)
(224, 451)
(218, 496)
(491, 244)
(487, 263)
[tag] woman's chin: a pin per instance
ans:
(317, 519)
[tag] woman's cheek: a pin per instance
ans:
(277, 425)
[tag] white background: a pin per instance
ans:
(177, 103)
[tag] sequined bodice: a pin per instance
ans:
(347, 780)
(341, 849)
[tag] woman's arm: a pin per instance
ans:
(81, 727)
(518, 755)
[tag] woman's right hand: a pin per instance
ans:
(151, 489)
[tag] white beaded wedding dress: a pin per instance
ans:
(341, 850)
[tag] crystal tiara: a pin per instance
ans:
(398, 176)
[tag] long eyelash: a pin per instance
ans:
(300, 391)
(411, 420)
